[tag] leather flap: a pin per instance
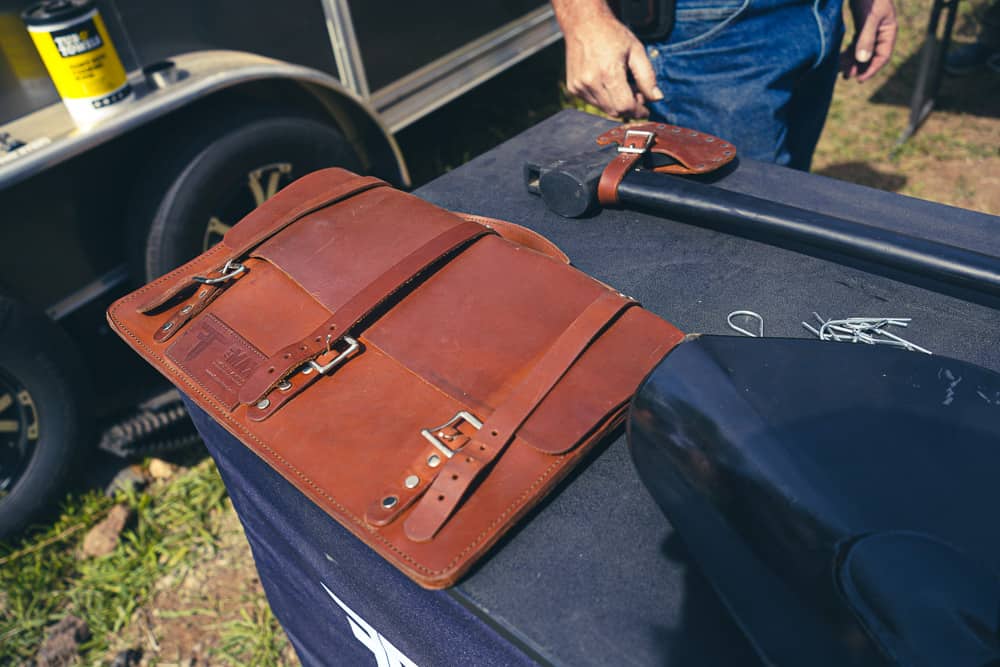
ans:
(334, 253)
(299, 198)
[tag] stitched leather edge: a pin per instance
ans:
(368, 532)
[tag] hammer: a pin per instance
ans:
(632, 167)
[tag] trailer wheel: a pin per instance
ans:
(203, 185)
(43, 413)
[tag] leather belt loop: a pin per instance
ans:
(287, 360)
(442, 495)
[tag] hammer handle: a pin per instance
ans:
(697, 203)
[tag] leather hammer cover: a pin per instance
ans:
(459, 335)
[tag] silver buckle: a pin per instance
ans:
(431, 434)
(230, 270)
(648, 141)
(352, 347)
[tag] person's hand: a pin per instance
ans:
(606, 65)
(874, 37)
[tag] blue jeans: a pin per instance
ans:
(758, 73)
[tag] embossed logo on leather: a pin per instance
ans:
(216, 357)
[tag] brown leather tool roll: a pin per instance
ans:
(424, 378)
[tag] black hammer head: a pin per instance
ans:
(569, 186)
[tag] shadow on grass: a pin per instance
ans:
(863, 173)
(977, 93)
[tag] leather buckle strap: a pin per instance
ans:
(636, 141)
(258, 226)
(436, 434)
(210, 288)
(229, 270)
(441, 489)
(419, 474)
(286, 361)
(690, 152)
(324, 368)
(294, 384)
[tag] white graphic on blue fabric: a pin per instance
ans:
(386, 655)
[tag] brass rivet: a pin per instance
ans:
(263, 404)
(389, 502)
(284, 385)
(186, 309)
(434, 460)
(411, 481)
(168, 326)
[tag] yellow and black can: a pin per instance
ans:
(73, 42)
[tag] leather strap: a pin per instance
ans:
(187, 310)
(261, 224)
(290, 358)
(461, 471)
(520, 235)
(692, 152)
(635, 146)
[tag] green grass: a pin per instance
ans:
(43, 579)
(256, 638)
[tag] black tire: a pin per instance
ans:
(44, 415)
(203, 183)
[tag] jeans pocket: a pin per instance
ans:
(699, 20)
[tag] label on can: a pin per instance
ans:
(83, 64)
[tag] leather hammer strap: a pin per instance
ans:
(285, 361)
(265, 221)
(693, 152)
(462, 470)
(611, 177)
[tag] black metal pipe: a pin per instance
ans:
(690, 201)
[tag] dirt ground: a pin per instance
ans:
(953, 159)
(200, 610)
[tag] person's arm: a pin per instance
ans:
(874, 37)
(600, 55)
